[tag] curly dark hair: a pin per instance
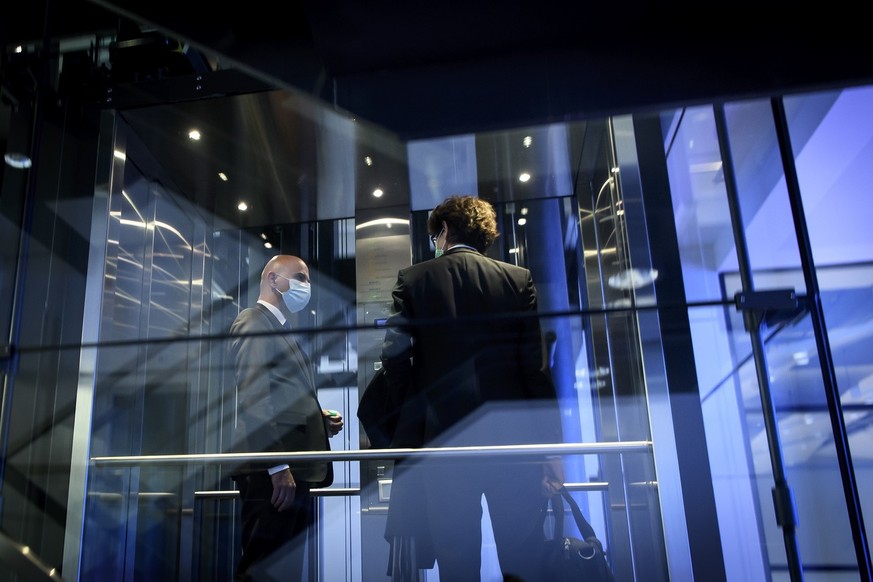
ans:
(472, 221)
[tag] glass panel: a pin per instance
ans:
(834, 166)
(172, 276)
(726, 370)
(596, 359)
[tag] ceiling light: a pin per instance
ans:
(527, 141)
(377, 193)
(522, 221)
(17, 160)
(382, 222)
(633, 279)
(368, 160)
(119, 154)
(223, 176)
(194, 134)
(242, 206)
(524, 177)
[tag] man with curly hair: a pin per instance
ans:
(464, 361)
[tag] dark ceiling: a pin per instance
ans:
(426, 69)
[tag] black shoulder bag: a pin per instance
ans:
(568, 558)
(377, 418)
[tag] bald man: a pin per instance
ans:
(278, 410)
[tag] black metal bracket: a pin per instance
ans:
(783, 502)
(769, 308)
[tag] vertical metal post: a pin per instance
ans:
(832, 394)
(782, 496)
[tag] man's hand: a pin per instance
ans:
(553, 476)
(284, 489)
(333, 420)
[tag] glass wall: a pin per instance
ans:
(705, 307)
(809, 242)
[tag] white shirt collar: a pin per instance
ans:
(460, 245)
(274, 310)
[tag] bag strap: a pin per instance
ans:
(584, 527)
(558, 511)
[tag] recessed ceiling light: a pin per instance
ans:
(242, 206)
(377, 193)
(194, 134)
(17, 160)
(524, 177)
(223, 176)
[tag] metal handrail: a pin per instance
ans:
(394, 454)
(350, 491)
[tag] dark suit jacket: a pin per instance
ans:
(463, 351)
(278, 408)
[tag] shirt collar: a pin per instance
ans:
(461, 246)
(274, 310)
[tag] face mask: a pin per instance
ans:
(297, 295)
(438, 252)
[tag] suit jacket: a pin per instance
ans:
(278, 407)
(464, 351)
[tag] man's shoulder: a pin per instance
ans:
(250, 316)
(253, 311)
(514, 269)
(450, 260)
(510, 268)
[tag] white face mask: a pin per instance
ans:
(297, 295)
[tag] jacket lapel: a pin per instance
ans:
(301, 358)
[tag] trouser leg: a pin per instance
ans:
(272, 541)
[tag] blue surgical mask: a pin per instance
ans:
(297, 296)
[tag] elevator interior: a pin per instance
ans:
(354, 253)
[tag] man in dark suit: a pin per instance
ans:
(464, 356)
(278, 410)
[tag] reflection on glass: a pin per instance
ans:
(832, 166)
